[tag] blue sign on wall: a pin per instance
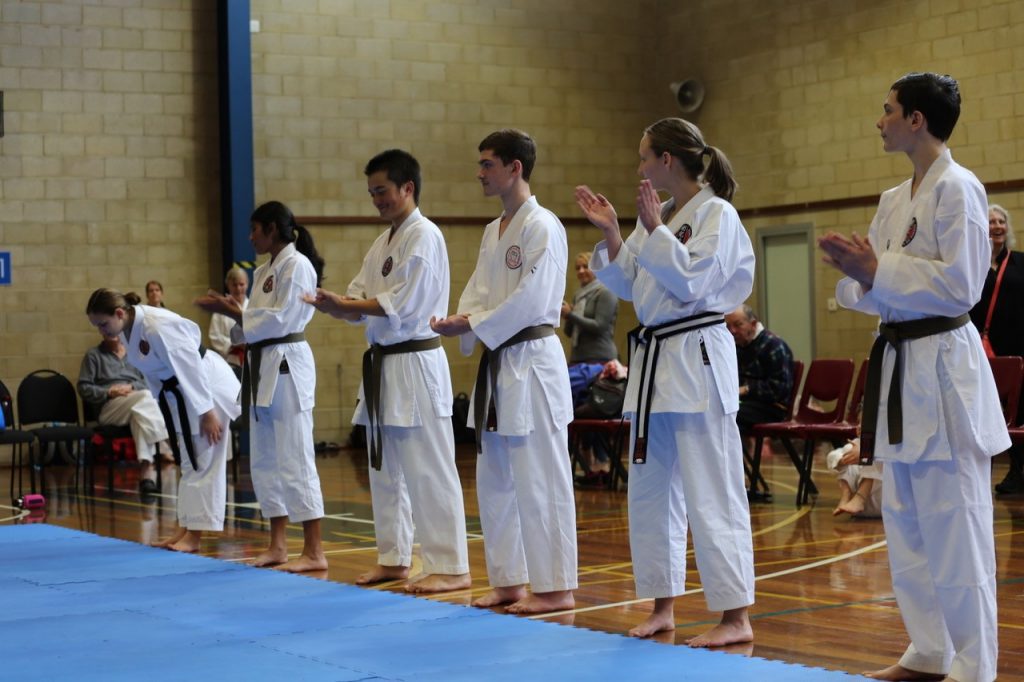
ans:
(5, 267)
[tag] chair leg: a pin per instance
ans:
(756, 478)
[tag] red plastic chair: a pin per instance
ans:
(752, 462)
(827, 381)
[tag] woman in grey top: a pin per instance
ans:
(590, 319)
(589, 322)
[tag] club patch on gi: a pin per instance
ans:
(144, 347)
(268, 285)
(911, 232)
(386, 269)
(513, 257)
(684, 234)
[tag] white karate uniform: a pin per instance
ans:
(407, 273)
(282, 460)
(933, 255)
(220, 334)
(163, 345)
(139, 410)
(524, 483)
(855, 474)
(702, 261)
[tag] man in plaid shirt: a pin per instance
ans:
(765, 367)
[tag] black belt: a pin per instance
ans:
(490, 363)
(172, 386)
(651, 338)
(373, 364)
(894, 334)
(251, 367)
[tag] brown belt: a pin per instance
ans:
(373, 363)
(251, 367)
(894, 334)
(490, 363)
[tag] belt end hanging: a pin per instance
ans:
(867, 449)
(640, 450)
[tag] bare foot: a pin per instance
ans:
(189, 542)
(164, 544)
(853, 506)
(382, 574)
(897, 673)
(429, 583)
(723, 634)
(501, 595)
(656, 622)
(543, 602)
(270, 557)
(304, 564)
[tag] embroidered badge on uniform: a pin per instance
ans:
(684, 234)
(144, 347)
(911, 232)
(513, 257)
(268, 285)
(386, 270)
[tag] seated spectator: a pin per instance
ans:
(155, 294)
(589, 322)
(860, 487)
(765, 370)
(118, 394)
(237, 283)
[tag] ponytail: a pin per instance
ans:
(719, 174)
(304, 245)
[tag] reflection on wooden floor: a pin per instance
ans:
(823, 592)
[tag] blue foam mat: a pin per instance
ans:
(84, 607)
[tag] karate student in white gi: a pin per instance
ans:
(860, 485)
(237, 283)
(197, 393)
(921, 269)
(405, 400)
(280, 382)
(687, 263)
(522, 403)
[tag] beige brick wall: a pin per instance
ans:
(108, 166)
(108, 171)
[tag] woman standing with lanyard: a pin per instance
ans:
(197, 395)
(279, 382)
(687, 263)
(999, 317)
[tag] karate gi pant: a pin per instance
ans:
(527, 506)
(202, 491)
(418, 483)
(282, 461)
(140, 411)
(693, 474)
(938, 522)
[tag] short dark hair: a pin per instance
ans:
(937, 97)
(510, 145)
(401, 167)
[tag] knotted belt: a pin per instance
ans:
(894, 334)
(490, 363)
(373, 364)
(172, 386)
(651, 338)
(251, 367)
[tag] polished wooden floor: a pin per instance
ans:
(823, 592)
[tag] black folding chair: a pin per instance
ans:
(48, 398)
